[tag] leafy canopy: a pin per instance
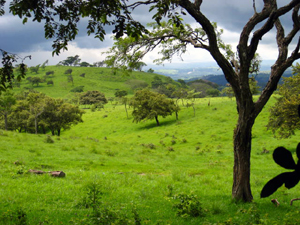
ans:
(148, 105)
(284, 119)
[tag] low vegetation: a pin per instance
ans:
(125, 173)
(120, 172)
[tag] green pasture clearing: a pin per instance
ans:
(96, 78)
(139, 168)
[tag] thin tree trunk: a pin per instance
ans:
(157, 122)
(126, 110)
(35, 124)
(5, 121)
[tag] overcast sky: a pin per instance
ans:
(231, 15)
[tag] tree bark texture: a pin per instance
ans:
(241, 189)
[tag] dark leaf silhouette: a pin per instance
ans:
(284, 158)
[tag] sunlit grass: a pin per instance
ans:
(143, 166)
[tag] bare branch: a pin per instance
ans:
(272, 15)
(254, 7)
(295, 199)
(198, 3)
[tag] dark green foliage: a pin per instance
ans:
(137, 84)
(70, 79)
(149, 105)
(213, 92)
(7, 75)
(50, 82)
(203, 88)
(157, 81)
(35, 69)
(68, 71)
(84, 64)
(150, 70)
(284, 119)
(77, 89)
(49, 140)
(35, 112)
(92, 97)
(101, 212)
(36, 80)
(71, 61)
(120, 93)
(50, 73)
(17, 217)
(188, 206)
(7, 100)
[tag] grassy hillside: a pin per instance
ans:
(96, 78)
(133, 172)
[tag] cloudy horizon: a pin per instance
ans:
(230, 15)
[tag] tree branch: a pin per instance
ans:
(198, 3)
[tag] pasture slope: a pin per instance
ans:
(126, 173)
(95, 78)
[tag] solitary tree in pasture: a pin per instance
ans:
(84, 64)
(7, 100)
(43, 66)
(191, 97)
(92, 97)
(36, 80)
(70, 79)
(148, 105)
(35, 69)
(121, 93)
(59, 115)
(68, 71)
(173, 36)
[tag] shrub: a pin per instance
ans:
(188, 206)
(77, 89)
(49, 139)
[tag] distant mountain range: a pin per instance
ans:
(211, 72)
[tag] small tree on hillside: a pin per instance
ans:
(68, 71)
(148, 105)
(43, 66)
(60, 115)
(36, 80)
(35, 69)
(92, 97)
(70, 79)
(120, 93)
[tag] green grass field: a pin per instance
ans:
(120, 172)
(100, 79)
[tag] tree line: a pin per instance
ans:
(34, 112)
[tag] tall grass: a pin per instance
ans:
(140, 168)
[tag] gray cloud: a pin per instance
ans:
(231, 15)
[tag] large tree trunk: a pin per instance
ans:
(242, 150)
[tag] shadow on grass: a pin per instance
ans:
(161, 124)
